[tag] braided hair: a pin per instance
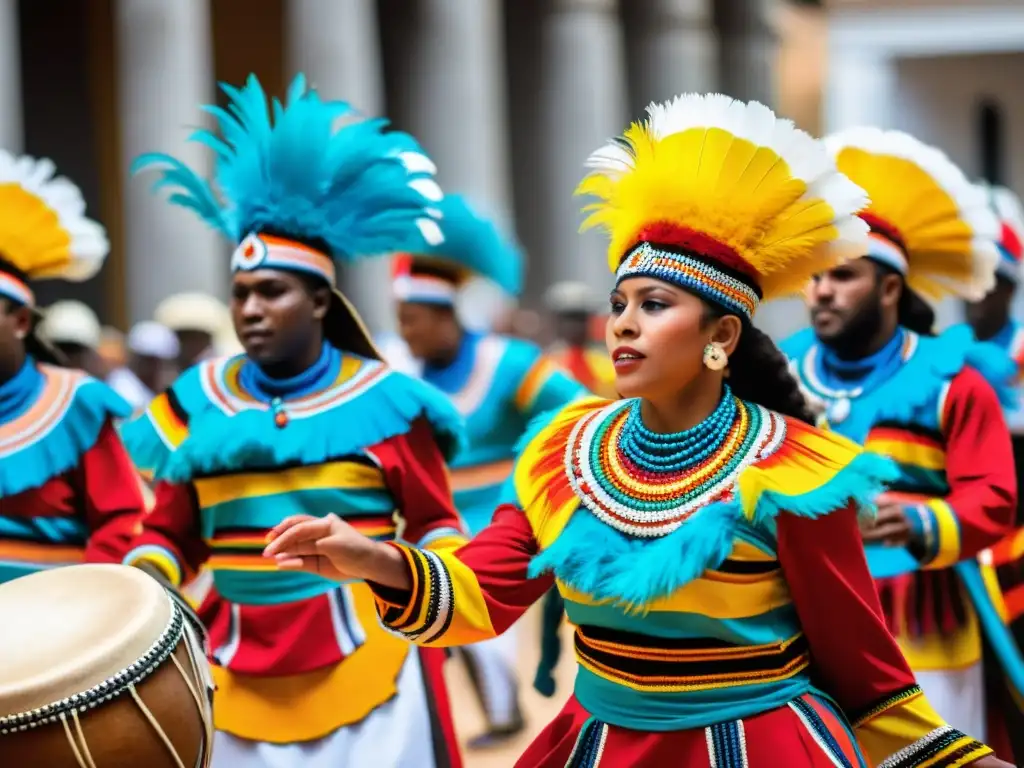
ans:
(760, 373)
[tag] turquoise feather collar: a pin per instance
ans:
(53, 419)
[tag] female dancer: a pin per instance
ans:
(702, 533)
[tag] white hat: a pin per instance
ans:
(570, 297)
(71, 322)
(193, 312)
(152, 339)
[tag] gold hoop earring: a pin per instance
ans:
(715, 358)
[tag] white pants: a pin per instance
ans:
(959, 697)
(395, 735)
(494, 667)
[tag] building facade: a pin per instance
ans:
(947, 71)
(509, 96)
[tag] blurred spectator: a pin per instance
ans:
(112, 349)
(573, 307)
(153, 351)
(74, 330)
(201, 323)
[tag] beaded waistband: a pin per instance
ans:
(660, 664)
(112, 687)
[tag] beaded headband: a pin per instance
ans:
(691, 273)
(259, 251)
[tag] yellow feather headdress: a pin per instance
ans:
(1010, 214)
(44, 232)
(723, 198)
(927, 220)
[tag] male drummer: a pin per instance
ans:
(884, 381)
(68, 491)
(306, 420)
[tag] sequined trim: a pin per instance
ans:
(727, 745)
(944, 747)
(870, 713)
(649, 504)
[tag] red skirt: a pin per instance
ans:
(806, 733)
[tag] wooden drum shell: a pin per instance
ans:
(118, 733)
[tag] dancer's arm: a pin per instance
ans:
(982, 501)
(169, 540)
(856, 660)
(109, 492)
(415, 472)
(442, 598)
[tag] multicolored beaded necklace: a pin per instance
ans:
(647, 484)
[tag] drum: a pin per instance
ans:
(100, 669)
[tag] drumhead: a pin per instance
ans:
(68, 629)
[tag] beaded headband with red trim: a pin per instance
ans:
(260, 251)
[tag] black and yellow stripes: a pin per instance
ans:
(169, 418)
(945, 747)
(643, 662)
(874, 710)
(429, 610)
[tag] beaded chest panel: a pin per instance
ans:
(647, 484)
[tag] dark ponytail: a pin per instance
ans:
(759, 373)
(914, 313)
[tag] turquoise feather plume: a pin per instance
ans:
(287, 169)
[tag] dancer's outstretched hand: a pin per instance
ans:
(327, 546)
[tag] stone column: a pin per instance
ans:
(859, 89)
(11, 124)
(336, 44)
(454, 86)
(582, 106)
(747, 49)
(672, 49)
(165, 74)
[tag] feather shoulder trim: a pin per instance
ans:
(51, 437)
(203, 426)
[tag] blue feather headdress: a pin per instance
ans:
(356, 189)
(472, 246)
(297, 191)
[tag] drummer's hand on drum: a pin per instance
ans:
(890, 526)
(330, 547)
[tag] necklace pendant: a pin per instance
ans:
(839, 410)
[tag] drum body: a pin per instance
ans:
(100, 669)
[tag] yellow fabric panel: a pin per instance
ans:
(907, 452)
(471, 622)
(897, 727)
(296, 708)
(745, 551)
(338, 474)
(948, 535)
(808, 459)
(446, 543)
(938, 652)
(714, 595)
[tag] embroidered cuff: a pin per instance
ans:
(858, 719)
(940, 520)
(160, 558)
(425, 612)
(943, 747)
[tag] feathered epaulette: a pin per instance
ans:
(918, 384)
(51, 437)
(810, 474)
(541, 485)
(197, 428)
